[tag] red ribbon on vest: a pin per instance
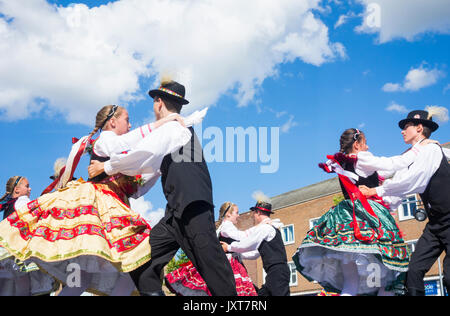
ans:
(355, 194)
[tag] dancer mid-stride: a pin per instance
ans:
(88, 226)
(187, 281)
(356, 247)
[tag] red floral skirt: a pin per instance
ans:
(186, 281)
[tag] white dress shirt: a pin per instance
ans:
(134, 153)
(228, 230)
(147, 155)
(266, 230)
(144, 154)
(367, 163)
(414, 179)
(21, 201)
(109, 143)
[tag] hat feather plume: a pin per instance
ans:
(260, 197)
(58, 165)
(438, 112)
(166, 79)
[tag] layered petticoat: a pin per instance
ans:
(23, 279)
(381, 261)
(85, 230)
(186, 281)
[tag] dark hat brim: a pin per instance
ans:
(53, 178)
(160, 93)
(428, 123)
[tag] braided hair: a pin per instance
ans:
(224, 210)
(11, 184)
(348, 138)
(104, 115)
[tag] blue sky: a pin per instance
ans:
(313, 78)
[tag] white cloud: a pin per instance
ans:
(447, 87)
(416, 79)
(405, 19)
(76, 59)
(344, 19)
(289, 124)
(392, 87)
(145, 209)
(394, 107)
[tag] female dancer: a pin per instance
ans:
(356, 247)
(85, 234)
(186, 281)
(20, 278)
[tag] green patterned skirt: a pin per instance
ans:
(381, 262)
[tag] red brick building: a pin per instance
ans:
(299, 209)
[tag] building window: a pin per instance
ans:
(313, 222)
(408, 208)
(287, 232)
(293, 280)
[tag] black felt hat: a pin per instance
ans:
(419, 117)
(171, 90)
(262, 206)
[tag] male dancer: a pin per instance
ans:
(189, 218)
(429, 176)
(265, 238)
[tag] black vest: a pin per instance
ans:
(185, 177)
(103, 175)
(273, 252)
(371, 181)
(437, 193)
(227, 240)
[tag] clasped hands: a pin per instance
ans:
(366, 191)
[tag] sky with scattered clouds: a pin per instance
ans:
(311, 68)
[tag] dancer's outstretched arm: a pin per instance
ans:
(109, 143)
(412, 180)
(146, 158)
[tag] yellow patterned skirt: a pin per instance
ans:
(84, 226)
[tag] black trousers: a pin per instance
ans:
(195, 234)
(434, 240)
(277, 281)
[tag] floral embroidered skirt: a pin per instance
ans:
(84, 227)
(186, 281)
(381, 262)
